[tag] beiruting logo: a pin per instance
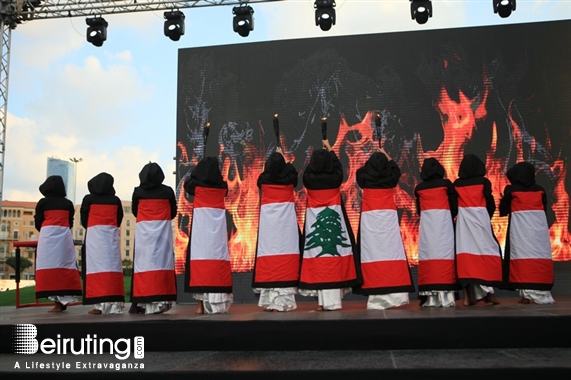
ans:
(25, 342)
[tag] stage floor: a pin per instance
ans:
(508, 340)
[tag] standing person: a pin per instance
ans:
(101, 215)
(57, 276)
(276, 268)
(478, 253)
(208, 272)
(528, 263)
(154, 206)
(328, 266)
(437, 205)
(386, 275)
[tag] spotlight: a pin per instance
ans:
(174, 25)
(97, 30)
(421, 10)
(243, 20)
(324, 13)
(504, 7)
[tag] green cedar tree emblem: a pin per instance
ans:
(327, 233)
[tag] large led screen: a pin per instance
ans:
(503, 93)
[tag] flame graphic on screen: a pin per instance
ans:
(354, 144)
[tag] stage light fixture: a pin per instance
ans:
(504, 7)
(97, 30)
(243, 20)
(324, 13)
(421, 10)
(174, 25)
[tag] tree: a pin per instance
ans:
(327, 233)
(127, 267)
(24, 263)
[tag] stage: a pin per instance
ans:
(508, 339)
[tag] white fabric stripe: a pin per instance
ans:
(311, 217)
(529, 235)
(380, 236)
(474, 232)
(102, 252)
(55, 249)
(436, 237)
(209, 239)
(278, 233)
(153, 246)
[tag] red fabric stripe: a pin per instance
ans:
(277, 194)
(527, 200)
(155, 282)
(436, 272)
(385, 274)
(104, 284)
(434, 199)
(323, 198)
(471, 196)
(210, 273)
(56, 218)
(378, 199)
(49, 280)
(328, 269)
(534, 271)
(484, 267)
(102, 215)
(277, 268)
(153, 209)
(209, 197)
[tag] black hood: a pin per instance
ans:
(207, 173)
(377, 165)
(522, 173)
(431, 169)
(471, 166)
(151, 175)
(321, 162)
(274, 166)
(101, 184)
(53, 186)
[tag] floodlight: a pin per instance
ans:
(504, 7)
(243, 20)
(174, 25)
(421, 10)
(324, 13)
(97, 30)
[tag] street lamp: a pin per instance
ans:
(75, 161)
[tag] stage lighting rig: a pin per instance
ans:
(324, 13)
(174, 24)
(97, 30)
(243, 20)
(504, 7)
(421, 10)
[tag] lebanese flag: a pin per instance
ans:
(478, 258)
(209, 258)
(104, 270)
(153, 270)
(56, 266)
(328, 261)
(383, 260)
(277, 256)
(530, 257)
(436, 266)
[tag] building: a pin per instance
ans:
(65, 169)
(17, 224)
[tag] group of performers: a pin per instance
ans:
(457, 246)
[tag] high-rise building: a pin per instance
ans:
(66, 170)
